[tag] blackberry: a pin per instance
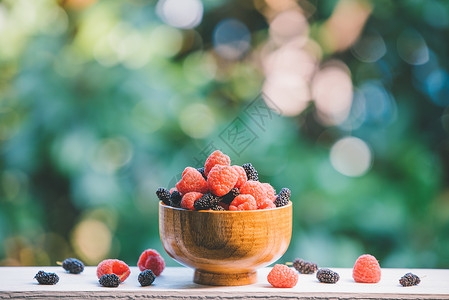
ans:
(409, 279)
(283, 197)
(201, 170)
(304, 267)
(251, 172)
(46, 278)
(109, 280)
(227, 199)
(217, 207)
(175, 199)
(146, 277)
(163, 195)
(73, 265)
(206, 202)
(327, 276)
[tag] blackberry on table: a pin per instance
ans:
(164, 195)
(73, 265)
(46, 278)
(327, 276)
(201, 170)
(283, 197)
(206, 202)
(175, 199)
(304, 267)
(146, 277)
(109, 280)
(251, 172)
(409, 279)
(227, 199)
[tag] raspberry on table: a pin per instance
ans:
(304, 267)
(216, 158)
(221, 179)
(146, 277)
(251, 173)
(255, 189)
(327, 276)
(192, 181)
(109, 280)
(242, 176)
(73, 265)
(366, 269)
(188, 200)
(409, 279)
(150, 259)
(206, 202)
(46, 278)
(283, 197)
(164, 195)
(175, 199)
(282, 276)
(113, 266)
(243, 202)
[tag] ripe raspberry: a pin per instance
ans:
(188, 200)
(282, 276)
(222, 179)
(255, 189)
(304, 267)
(188, 169)
(269, 190)
(113, 266)
(366, 269)
(192, 181)
(150, 259)
(216, 158)
(243, 202)
(242, 176)
(266, 204)
(251, 172)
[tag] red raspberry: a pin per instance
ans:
(222, 179)
(113, 266)
(266, 204)
(282, 276)
(242, 176)
(150, 259)
(243, 202)
(216, 158)
(270, 192)
(192, 181)
(256, 189)
(366, 269)
(189, 199)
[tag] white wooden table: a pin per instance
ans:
(176, 283)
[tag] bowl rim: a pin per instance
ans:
(162, 204)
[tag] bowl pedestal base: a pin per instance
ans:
(225, 279)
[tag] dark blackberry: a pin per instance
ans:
(227, 199)
(304, 267)
(175, 199)
(109, 280)
(206, 202)
(251, 172)
(327, 276)
(409, 279)
(73, 265)
(146, 277)
(283, 197)
(163, 195)
(201, 170)
(217, 207)
(46, 278)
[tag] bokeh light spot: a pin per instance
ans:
(92, 240)
(197, 120)
(412, 47)
(369, 48)
(184, 14)
(351, 156)
(231, 39)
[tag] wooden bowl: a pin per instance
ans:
(225, 247)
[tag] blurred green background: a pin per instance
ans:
(102, 102)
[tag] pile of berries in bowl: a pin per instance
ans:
(219, 186)
(223, 222)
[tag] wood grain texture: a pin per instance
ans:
(225, 247)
